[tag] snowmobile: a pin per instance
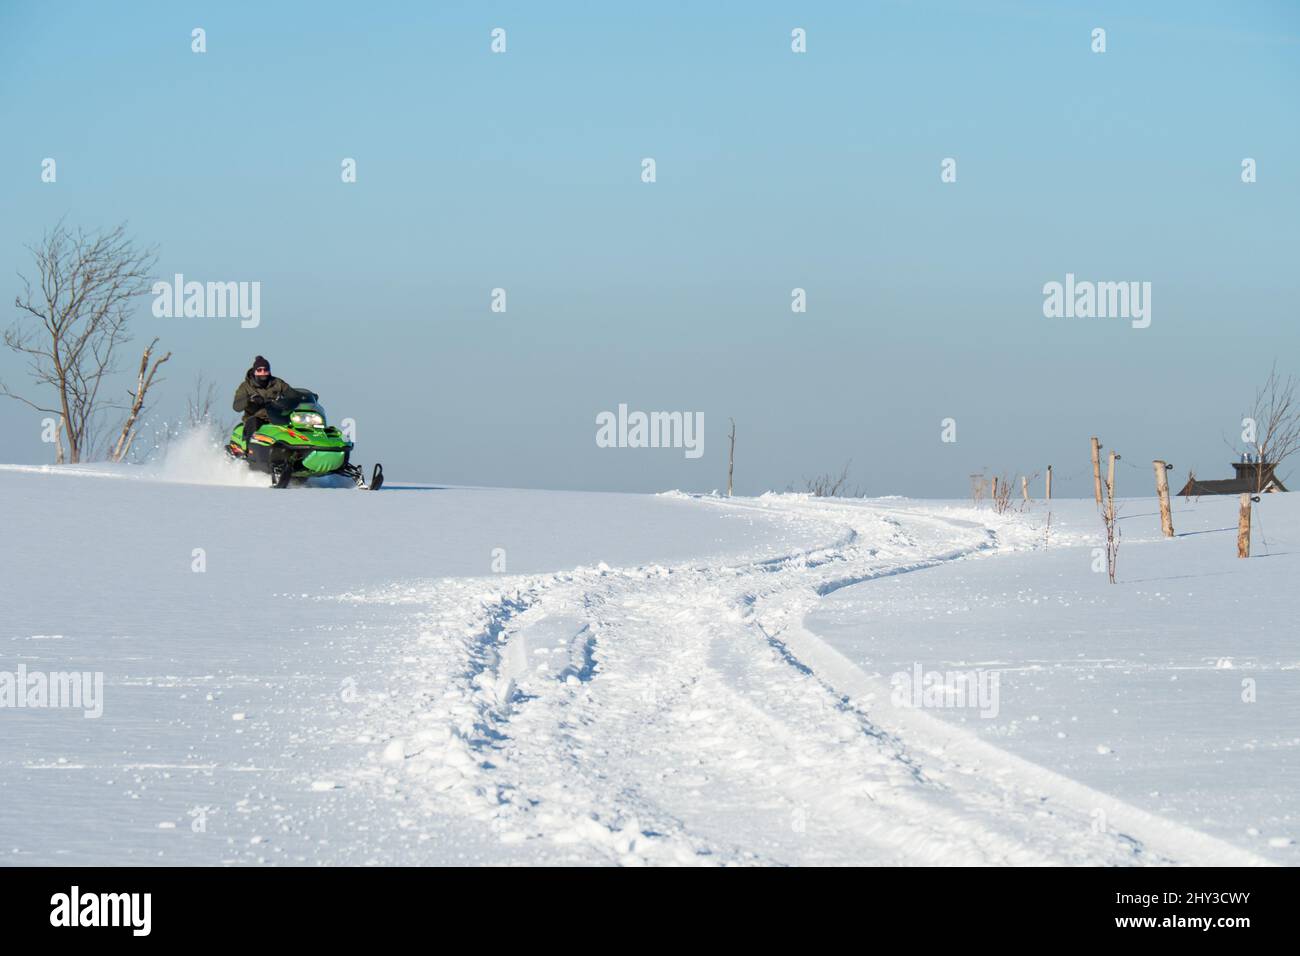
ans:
(297, 444)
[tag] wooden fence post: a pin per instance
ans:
(1049, 482)
(1024, 488)
(1162, 491)
(1243, 528)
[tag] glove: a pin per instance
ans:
(254, 401)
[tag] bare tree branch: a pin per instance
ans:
(199, 404)
(832, 486)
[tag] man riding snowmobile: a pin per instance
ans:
(258, 389)
(285, 433)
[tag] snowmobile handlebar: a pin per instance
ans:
(292, 398)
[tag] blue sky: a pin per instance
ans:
(775, 170)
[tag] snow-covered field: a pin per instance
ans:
(466, 675)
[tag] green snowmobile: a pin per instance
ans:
(297, 444)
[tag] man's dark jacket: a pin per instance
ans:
(273, 389)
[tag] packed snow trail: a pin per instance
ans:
(705, 702)
(683, 715)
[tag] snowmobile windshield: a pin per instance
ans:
(284, 409)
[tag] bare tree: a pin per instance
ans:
(198, 405)
(1276, 414)
(71, 321)
(828, 485)
(1001, 494)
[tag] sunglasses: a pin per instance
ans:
(259, 371)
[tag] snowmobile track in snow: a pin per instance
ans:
(683, 714)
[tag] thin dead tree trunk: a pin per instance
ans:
(1112, 526)
(144, 379)
(1096, 470)
(1110, 485)
(731, 457)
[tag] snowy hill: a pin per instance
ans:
(443, 675)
